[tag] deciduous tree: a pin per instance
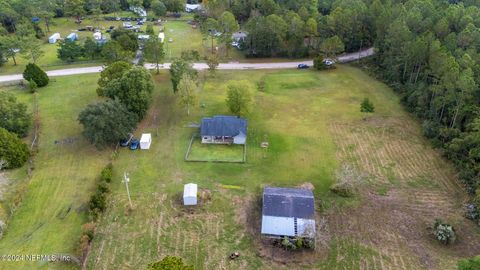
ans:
(13, 115)
(239, 97)
(105, 123)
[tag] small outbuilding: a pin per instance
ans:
(72, 37)
(222, 129)
(53, 38)
(97, 36)
(288, 212)
(161, 37)
(190, 194)
(143, 37)
(145, 141)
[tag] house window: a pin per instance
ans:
(205, 138)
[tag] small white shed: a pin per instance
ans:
(161, 36)
(72, 37)
(53, 38)
(97, 35)
(190, 194)
(145, 141)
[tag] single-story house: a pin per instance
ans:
(72, 37)
(221, 129)
(53, 38)
(239, 36)
(288, 212)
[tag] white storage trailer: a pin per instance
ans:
(190, 194)
(53, 38)
(145, 141)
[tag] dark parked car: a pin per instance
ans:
(134, 144)
(302, 66)
(111, 27)
(125, 142)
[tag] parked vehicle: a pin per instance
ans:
(302, 66)
(125, 142)
(134, 144)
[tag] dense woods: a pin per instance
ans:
(426, 50)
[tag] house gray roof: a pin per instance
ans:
(288, 202)
(221, 125)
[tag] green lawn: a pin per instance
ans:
(212, 152)
(294, 113)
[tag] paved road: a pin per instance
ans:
(200, 66)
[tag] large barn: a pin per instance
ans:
(223, 129)
(288, 212)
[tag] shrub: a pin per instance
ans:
(106, 174)
(88, 229)
(13, 115)
(287, 243)
(98, 201)
(443, 232)
(32, 86)
(12, 150)
(367, 106)
(169, 263)
(35, 73)
(471, 211)
(319, 64)
(469, 264)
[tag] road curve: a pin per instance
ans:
(199, 66)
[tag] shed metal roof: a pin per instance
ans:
(288, 202)
(222, 125)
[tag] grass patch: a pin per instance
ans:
(198, 151)
(52, 211)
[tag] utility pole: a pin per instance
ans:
(126, 179)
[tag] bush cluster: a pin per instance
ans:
(443, 232)
(35, 73)
(98, 201)
(12, 150)
(297, 243)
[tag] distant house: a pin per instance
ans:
(143, 37)
(72, 37)
(239, 36)
(192, 7)
(222, 129)
(97, 36)
(288, 212)
(53, 38)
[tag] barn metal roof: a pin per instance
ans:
(288, 202)
(222, 125)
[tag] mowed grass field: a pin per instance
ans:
(53, 209)
(313, 125)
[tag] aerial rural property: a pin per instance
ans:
(242, 134)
